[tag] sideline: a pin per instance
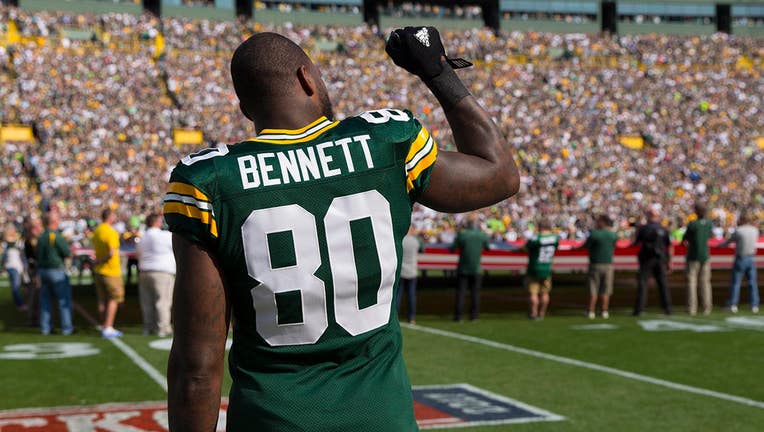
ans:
(136, 358)
(587, 365)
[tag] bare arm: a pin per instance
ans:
(200, 314)
(481, 173)
(483, 170)
(107, 257)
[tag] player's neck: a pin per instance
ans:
(289, 119)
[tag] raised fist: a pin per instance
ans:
(418, 50)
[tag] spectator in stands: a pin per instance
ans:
(654, 260)
(14, 265)
(156, 264)
(601, 245)
(97, 105)
(471, 242)
(52, 253)
(538, 276)
(696, 239)
(411, 247)
(107, 273)
(745, 238)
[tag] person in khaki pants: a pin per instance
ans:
(107, 273)
(696, 239)
(156, 264)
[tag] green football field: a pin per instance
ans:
(652, 373)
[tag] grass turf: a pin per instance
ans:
(727, 360)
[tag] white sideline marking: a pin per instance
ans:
(587, 365)
(129, 352)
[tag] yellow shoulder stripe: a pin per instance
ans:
(187, 189)
(423, 164)
(292, 131)
(296, 140)
(194, 213)
(418, 143)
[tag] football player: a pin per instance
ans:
(299, 231)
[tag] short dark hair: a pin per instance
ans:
(700, 209)
(152, 218)
(106, 213)
(545, 224)
(743, 218)
(263, 67)
(47, 218)
(605, 219)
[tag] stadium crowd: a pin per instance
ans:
(103, 111)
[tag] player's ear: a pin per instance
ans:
(244, 111)
(306, 81)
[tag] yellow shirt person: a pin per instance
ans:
(106, 240)
(107, 276)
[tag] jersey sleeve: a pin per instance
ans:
(188, 207)
(422, 153)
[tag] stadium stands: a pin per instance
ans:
(103, 112)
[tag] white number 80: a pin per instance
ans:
(301, 276)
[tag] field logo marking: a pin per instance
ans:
(747, 321)
(752, 323)
(670, 325)
(48, 350)
(595, 327)
(462, 405)
(116, 417)
(587, 365)
(436, 407)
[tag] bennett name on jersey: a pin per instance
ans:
(323, 160)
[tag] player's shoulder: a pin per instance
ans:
(198, 169)
(387, 123)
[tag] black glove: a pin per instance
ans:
(418, 50)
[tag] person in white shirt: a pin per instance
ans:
(745, 238)
(14, 265)
(409, 269)
(156, 264)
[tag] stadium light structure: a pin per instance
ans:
(609, 17)
(153, 7)
(724, 18)
(370, 12)
(244, 8)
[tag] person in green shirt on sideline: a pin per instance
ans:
(538, 277)
(696, 239)
(471, 242)
(52, 252)
(601, 245)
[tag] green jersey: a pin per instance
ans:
(697, 235)
(601, 245)
(540, 254)
(52, 249)
(307, 225)
(471, 244)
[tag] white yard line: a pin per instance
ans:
(136, 358)
(587, 365)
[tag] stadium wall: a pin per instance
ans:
(82, 6)
(309, 17)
